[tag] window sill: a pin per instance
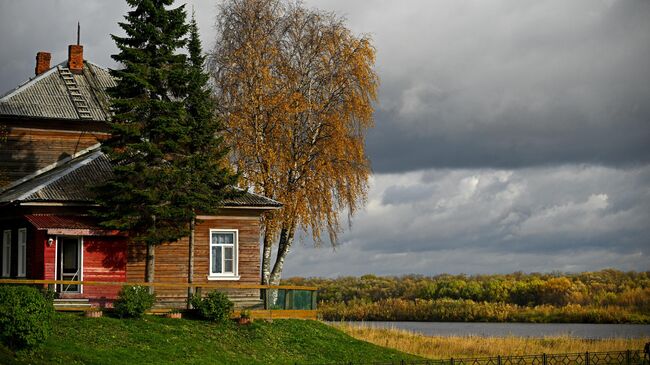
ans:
(224, 278)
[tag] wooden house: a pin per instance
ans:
(49, 155)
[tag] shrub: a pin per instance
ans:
(25, 316)
(133, 301)
(215, 306)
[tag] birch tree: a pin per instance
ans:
(295, 89)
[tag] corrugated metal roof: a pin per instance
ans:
(248, 199)
(78, 225)
(71, 182)
(45, 221)
(67, 182)
(46, 95)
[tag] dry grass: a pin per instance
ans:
(475, 346)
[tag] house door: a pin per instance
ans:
(69, 263)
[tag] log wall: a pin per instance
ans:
(172, 258)
(26, 150)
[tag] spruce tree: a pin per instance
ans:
(207, 179)
(167, 164)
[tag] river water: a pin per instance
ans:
(580, 330)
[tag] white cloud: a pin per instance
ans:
(484, 220)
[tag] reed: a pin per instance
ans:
(475, 346)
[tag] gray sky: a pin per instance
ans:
(510, 134)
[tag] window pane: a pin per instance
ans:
(223, 238)
(70, 255)
(228, 253)
(228, 266)
(216, 260)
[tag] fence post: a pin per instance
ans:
(498, 359)
(451, 361)
(265, 299)
(628, 358)
(544, 359)
(587, 358)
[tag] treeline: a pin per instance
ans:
(465, 310)
(607, 296)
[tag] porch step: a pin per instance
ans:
(72, 303)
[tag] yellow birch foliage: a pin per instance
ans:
(296, 90)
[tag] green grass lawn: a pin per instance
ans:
(79, 340)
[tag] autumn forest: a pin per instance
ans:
(607, 296)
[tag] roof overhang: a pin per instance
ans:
(250, 207)
(69, 225)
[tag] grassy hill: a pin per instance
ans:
(79, 340)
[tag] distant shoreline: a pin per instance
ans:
(450, 310)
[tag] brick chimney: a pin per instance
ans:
(76, 58)
(42, 62)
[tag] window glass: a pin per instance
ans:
(6, 253)
(22, 252)
(223, 253)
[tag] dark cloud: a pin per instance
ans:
(513, 84)
(27, 27)
(508, 84)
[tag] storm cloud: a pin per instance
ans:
(510, 134)
(512, 84)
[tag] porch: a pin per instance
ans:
(277, 301)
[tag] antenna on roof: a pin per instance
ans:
(78, 33)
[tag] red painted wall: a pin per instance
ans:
(104, 259)
(36, 246)
(49, 256)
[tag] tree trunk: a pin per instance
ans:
(190, 263)
(286, 239)
(151, 265)
(266, 258)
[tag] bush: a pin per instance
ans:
(133, 301)
(215, 306)
(25, 316)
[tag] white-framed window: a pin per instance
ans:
(224, 254)
(6, 252)
(22, 252)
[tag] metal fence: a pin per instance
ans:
(628, 357)
(296, 299)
